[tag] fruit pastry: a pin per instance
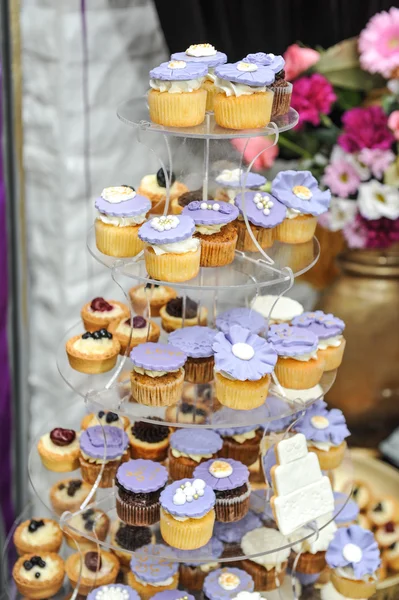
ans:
(233, 181)
(39, 576)
(154, 187)
(267, 570)
(188, 448)
(362, 495)
(91, 569)
(59, 450)
(329, 331)
(69, 494)
(386, 535)
(134, 331)
(188, 411)
(38, 535)
(104, 417)
(383, 511)
(100, 313)
(149, 440)
(150, 572)
(126, 539)
(264, 213)
(93, 352)
(196, 342)
(282, 89)
(226, 583)
(102, 449)
(92, 522)
(148, 299)
(182, 312)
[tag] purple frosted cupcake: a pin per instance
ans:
(197, 563)
(229, 479)
(232, 533)
(240, 442)
(264, 213)
(214, 227)
(329, 330)
(300, 193)
(102, 447)
(120, 212)
(189, 447)
(226, 583)
(150, 572)
(281, 88)
(298, 367)
(243, 363)
(115, 591)
(233, 180)
(245, 317)
(140, 483)
(158, 375)
(187, 514)
(197, 343)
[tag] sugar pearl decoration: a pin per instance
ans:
(243, 351)
(352, 553)
(189, 491)
(263, 203)
(249, 67)
(205, 206)
(165, 223)
(177, 64)
(112, 592)
(319, 422)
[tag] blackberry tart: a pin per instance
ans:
(104, 417)
(187, 412)
(100, 313)
(38, 535)
(126, 539)
(69, 495)
(149, 440)
(91, 569)
(93, 352)
(39, 576)
(154, 187)
(91, 522)
(132, 332)
(172, 314)
(151, 294)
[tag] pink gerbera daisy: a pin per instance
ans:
(342, 178)
(379, 43)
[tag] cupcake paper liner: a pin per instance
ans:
(332, 458)
(310, 564)
(172, 267)
(357, 589)
(296, 231)
(199, 370)
(122, 242)
(183, 467)
(134, 514)
(177, 110)
(333, 356)
(90, 472)
(247, 452)
(157, 451)
(264, 580)
(211, 90)
(191, 578)
(263, 236)
(297, 374)
(216, 252)
(187, 535)
(157, 391)
(243, 112)
(281, 99)
(241, 395)
(232, 509)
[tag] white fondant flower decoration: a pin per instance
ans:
(165, 223)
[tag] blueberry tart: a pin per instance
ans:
(126, 539)
(172, 314)
(38, 535)
(39, 576)
(69, 495)
(105, 417)
(149, 440)
(93, 352)
(154, 187)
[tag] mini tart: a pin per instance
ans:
(241, 395)
(94, 320)
(297, 374)
(264, 580)
(171, 323)
(150, 188)
(146, 590)
(125, 539)
(149, 440)
(296, 231)
(92, 363)
(246, 452)
(59, 458)
(387, 535)
(362, 495)
(172, 267)
(93, 419)
(332, 356)
(332, 458)
(383, 511)
(69, 495)
(44, 587)
(91, 522)
(353, 588)
(157, 391)
(121, 242)
(157, 297)
(46, 537)
(139, 335)
(391, 557)
(90, 579)
(218, 249)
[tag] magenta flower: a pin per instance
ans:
(376, 234)
(342, 178)
(365, 128)
(311, 97)
(355, 232)
(379, 43)
(376, 160)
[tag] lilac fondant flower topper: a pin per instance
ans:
(128, 208)
(172, 595)
(97, 440)
(276, 63)
(322, 425)
(354, 547)
(211, 212)
(246, 317)
(195, 341)
(213, 584)
(149, 565)
(255, 416)
(323, 325)
(300, 190)
(246, 73)
(167, 230)
(179, 70)
(236, 178)
(292, 341)
(200, 441)
(155, 356)
(222, 473)
(262, 209)
(142, 476)
(174, 499)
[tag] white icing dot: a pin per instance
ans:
(243, 351)
(200, 492)
(112, 593)
(187, 484)
(165, 223)
(177, 64)
(189, 498)
(179, 499)
(220, 469)
(352, 553)
(244, 66)
(319, 422)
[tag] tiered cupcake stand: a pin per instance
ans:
(214, 289)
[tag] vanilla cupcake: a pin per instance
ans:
(154, 187)
(208, 55)
(151, 572)
(264, 213)
(132, 332)
(93, 352)
(234, 180)
(277, 309)
(148, 299)
(281, 88)
(120, 213)
(176, 97)
(244, 100)
(171, 253)
(100, 313)
(329, 330)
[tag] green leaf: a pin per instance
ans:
(352, 79)
(347, 99)
(341, 56)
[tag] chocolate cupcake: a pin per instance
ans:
(267, 569)
(196, 342)
(149, 440)
(172, 317)
(126, 539)
(281, 88)
(188, 448)
(229, 480)
(226, 583)
(196, 564)
(140, 483)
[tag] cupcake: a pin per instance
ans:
(264, 213)
(196, 342)
(59, 450)
(93, 352)
(232, 533)
(233, 180)
(68, 495)
(215, 229)
(299, 191)
(37, 535)
(245, 317)
(132, 332)
(149, 440)
(277, 309)
(171, 253)
(281, 88)
(102, 449)
(104, 417)
(150, 295)
(226, 583)
(267, 569)
(150, 572)
(346, 511)
(115, 591)
(176, 97)
(154, 187)
(100, 313)
(86, 529)
(354, 557)
(158, 374)
(325, 432)
(182, 312)
(312, 549)
(39, 576)
(85, 571)
(196, 564)
(298, 367)
(187, 514)
(383, 511)
(188, 448)
(209, 56)
(244, 100)
(126, 539)
(240, 442)
(362, 495)
(120, 213)
(178, 204)
(243, 363)
(229, 479)
(172, 595)
(329, 331)
(140, 483)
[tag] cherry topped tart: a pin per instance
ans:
(38, 535)
(100, 313)
(59, 450)
(39, 576)
(93, 352)
(132, 332)
(93, 568)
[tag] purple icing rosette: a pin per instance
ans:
(169, 71)
(198, 441)
(345, 510)
(94, 440)
(262, 209)
(172, 595)
(246, 317)
(211, 60)
(173, 499)
(208, 553)
(214, 591)
(276, 63)
(167, 229)
(232, 533)
(211, 212)
(250, 180)
(292, 341)
(239, 474)
(356, 548)
(149, 565)
(236, 72)
(154, 356)
(300, 190)
(321, 324)
(127, 208)
(243, 355)
(322, 425)
(195, 341)
(141, 476)
(113, 590)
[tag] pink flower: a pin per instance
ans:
(254, 146)
(379, 43)
(312, 96)
(342, 178)
(376, 159)
(365, 128)
(355, 233)
(380, 233)
(393, 123)
(298, 60)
